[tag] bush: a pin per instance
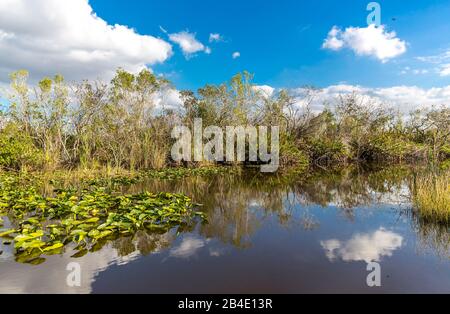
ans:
(327, 151)
(445, 152)
(391, 147)
(17, 150)
(291, 155)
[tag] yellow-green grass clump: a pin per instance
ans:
(431, 196)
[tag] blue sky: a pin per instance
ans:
(285, 44)
(281, 41)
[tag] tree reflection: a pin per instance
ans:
(237, 205)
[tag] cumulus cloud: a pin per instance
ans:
(265, 90)
(236, 55)
(332, 42)
(67, 37)
(368, 41)
(168, 99)
(403, 98)
(215, 37)
(188, 43)
(367, 247)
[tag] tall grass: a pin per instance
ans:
(431, 196)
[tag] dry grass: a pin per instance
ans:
(431, 196)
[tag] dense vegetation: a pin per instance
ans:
(95, 127)
(431, 196)
(120, 124)
(85, 215)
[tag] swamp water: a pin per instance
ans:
(265, 234)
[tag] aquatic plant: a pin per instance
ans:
(45, 225)
(164, 174)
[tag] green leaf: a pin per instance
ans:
(7, 233)
(53, 247)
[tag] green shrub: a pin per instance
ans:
(291, 155)
(391, 147)
(326, 151)
(17, 150)
(445, 152)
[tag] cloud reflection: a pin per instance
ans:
(50, 277)
(368, 247)
(188, 247)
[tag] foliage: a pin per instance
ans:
(17, 150)
(292, 156)
(327, 151)
(431, 196)
(86, 218)
(126, 124)
(392, 147)
(165, 174)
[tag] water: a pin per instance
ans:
(265, 235)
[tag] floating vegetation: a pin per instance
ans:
(87, 218)
(165, 174)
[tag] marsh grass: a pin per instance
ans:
(431, 197)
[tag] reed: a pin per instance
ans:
(431, 196)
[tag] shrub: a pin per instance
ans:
(291, 155)
(327, 151)
(17, 150)
(391, 147)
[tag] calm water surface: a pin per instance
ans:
(265, 235)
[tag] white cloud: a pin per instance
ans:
(168, 99)
(53, 36)
(265, 90)
(188, 43)
(445, 70)
(440, 61)
(215, 37)
(408, 70)
(368, 41)
(436, 59)
(332, 42)
(236, 55)
(403, 98)
(367, 247)
(420, 71)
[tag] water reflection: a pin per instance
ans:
(188, 247)
(238, 205)
(51, 276)
(367, 247)
(291, 226)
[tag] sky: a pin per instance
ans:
(285, 44)
(281, 41)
